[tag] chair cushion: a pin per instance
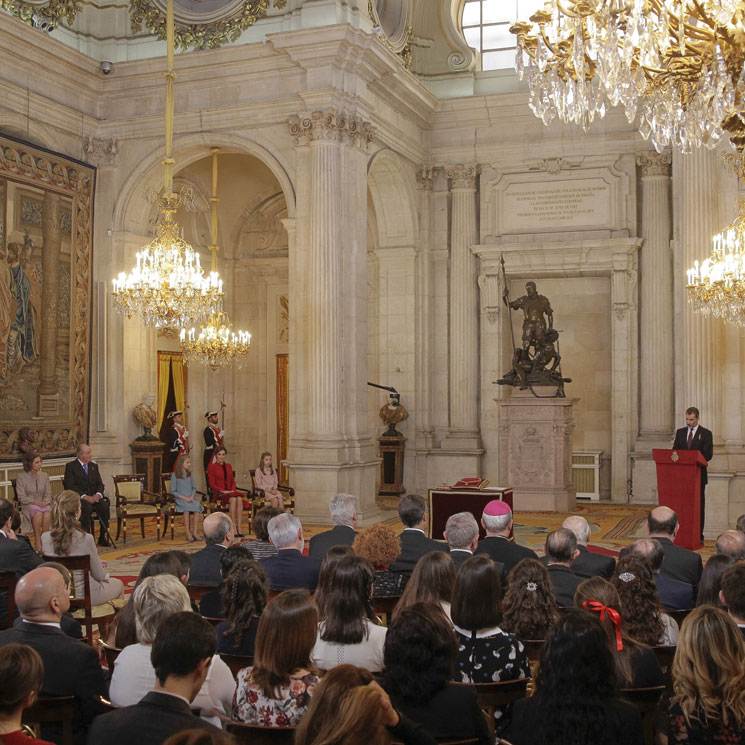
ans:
(140, 510)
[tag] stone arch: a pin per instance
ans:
(188, 149)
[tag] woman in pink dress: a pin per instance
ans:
(265, 477)
(221, 479)
(35, 495)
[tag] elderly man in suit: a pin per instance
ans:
(496, 520)
(82, 476)
(71, 667)
(462, 534)
(205, 564)
(561, 551)
(181, 656)
(412, 509)
(587, 564)
(674, 594)
(289, 569)
(343, 509)
(731, 543)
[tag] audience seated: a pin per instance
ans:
(529, 607)
(462, 534)
(732, 593)
(15, 556)
(289, 569)
(412, 509)
(640, 603)
(71, 667)
(181, 656)
(708, 705)
(205, 564)
(67, 539)
(420, 650)
(711, 580)
(381, 546)
(156, 599)
(678, 563)
(211, 605)
(68, 624)
(348, 632)
(731, 543)
(244, 600)
(636, 664)
(276, 691)
(343, 509)
(497, 522)
(21, 678)
(262, 547)
(587, 564)
(561, 551)
(674, 594)
(34, 492)
(350, 708)
(576, 699)
(325, 577)
(432, 581)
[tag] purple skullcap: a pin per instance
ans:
(497, 507)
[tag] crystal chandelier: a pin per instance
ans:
(168, 287)
(677, 63)
(215, 345)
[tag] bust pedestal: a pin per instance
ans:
(535, 439)
(147, 458)
(392, 465)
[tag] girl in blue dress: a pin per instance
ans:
(187, 500)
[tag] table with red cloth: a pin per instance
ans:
(445, 501)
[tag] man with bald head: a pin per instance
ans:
(205, 564)
(678, 562)
(731, 543)
(71, 667)
(587, 564)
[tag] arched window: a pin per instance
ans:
(486, 27)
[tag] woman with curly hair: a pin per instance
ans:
(432, 581)
(348, 630)
(529, 605)
(380, 545)
(636, 664)
(420, 653)
(576, 699)
(711, 580)
(67, 539)
(708, 701)
(640, 603)
(243, 599)
(324, 588)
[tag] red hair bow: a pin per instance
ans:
(614, 615)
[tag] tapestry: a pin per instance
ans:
(46, 252)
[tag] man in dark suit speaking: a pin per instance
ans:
(695, 437)
(82, 476)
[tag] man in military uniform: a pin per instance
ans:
(535, 307)
(213, 437)
(177, 438)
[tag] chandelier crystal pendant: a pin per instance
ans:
(168, 287)
(678, 64)
(215, 345)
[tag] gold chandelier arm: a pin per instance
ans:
(170, 76)
(214, 248)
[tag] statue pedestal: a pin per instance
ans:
(535, 446)
(147, 458)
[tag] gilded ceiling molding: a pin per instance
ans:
(221, 22)
(53, 11)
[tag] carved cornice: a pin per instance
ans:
(332, 125)
(655, 164)
(53, 12)
(100, 152)
(463, 176)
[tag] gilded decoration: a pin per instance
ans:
(200, 24)
(46, 224)
(53, 11)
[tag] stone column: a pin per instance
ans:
(656, 307)
(464, 310)
(47, 393)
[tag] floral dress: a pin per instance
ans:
(251, 706)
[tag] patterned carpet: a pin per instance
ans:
(613, 527)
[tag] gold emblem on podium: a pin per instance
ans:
(674, 457)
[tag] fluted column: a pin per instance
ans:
(656, 307)
(464, 309)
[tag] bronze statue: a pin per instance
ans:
(145, 415)
(25, 442)
(534, 306)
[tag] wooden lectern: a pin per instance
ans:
(679, 488)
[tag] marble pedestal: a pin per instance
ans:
(535, 438)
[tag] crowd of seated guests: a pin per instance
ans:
(325, 663)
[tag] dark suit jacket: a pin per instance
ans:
(588, 564)
(674, 594)
(702, 440)
(414, 544)
(339, 535)
(76, 479)
(68, 624)
(289, 570)
(205, 566)
(17, 556)
(565, 583)
(679, 563)
(459, 556)
(150, 722)
(504, 551)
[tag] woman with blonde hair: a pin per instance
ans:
(432, 581)
(265, 478)
(186, 499)
(708, 701)
(34, 493)
(67, 539)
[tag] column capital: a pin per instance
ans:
(425, 176)
(332, 124)
(655, 164)
(100, 152)
(463, 176)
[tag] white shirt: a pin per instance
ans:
(691, 432)
(55, 624)
(368, 653)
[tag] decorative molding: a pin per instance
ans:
(425, 177)
(463, 176)
(490, 297)
(100, 152)
(53, 12)
(655, 164)
(553, 166)
(333, 125)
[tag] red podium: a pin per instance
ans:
(679, 488)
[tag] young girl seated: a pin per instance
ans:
(187, 501)
(265, 477)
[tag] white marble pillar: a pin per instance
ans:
(464, 310)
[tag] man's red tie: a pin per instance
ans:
(690, 439)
